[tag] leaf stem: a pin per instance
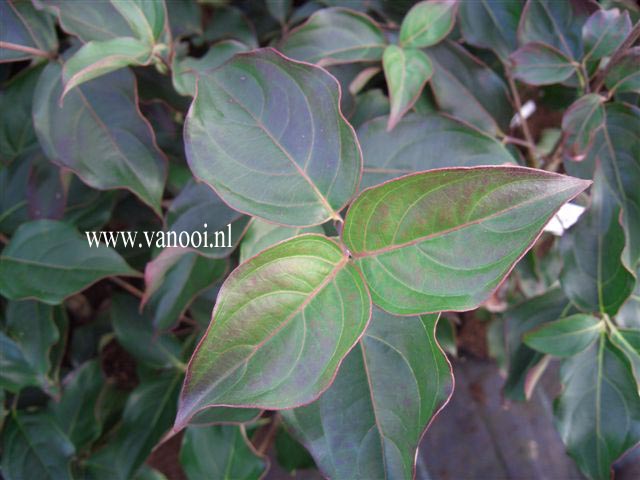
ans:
(270, 435)
(531, 151)
(127, 286)
(31, 51)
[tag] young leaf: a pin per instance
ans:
(427, 23)
(25, 32)
(593, 276)
(99, 133)
(370, 421)
(233, 456)
(540, 64)
(283, 322)
(299, 165)
(581, 122)
(467, 89)
(480, 222)
(423, 143)
(598, 412)
(261, 235)
(49, 261)
(491, 24)
(335, 35)
(407, 71)
(25, 344)
(34, 447)
(603, 32)
(624, 75)
(95, 59)
(565, 337)
(146, 18)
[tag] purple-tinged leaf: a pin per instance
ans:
(604, 32)
(540, 64)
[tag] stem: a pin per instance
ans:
(517, 141)
(21, 48)
(127, 286)
(270, 435)
(598, 81)
(531, 151)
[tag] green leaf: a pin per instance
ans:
(279, 9)
(233, 456)
(491, 24)
(598, 412)
(147, 416)
(173, 279)
(446, 336)
(229, 22)
(423, 143)
(291, 455)
(49, 261)
(146, 18)
(565, 337)
(311, 165)
(224, 415)
(369, 105)
(34, 447)
(556, 24)
(523, 362)
(135, 332)
(629, 314)
(454, 258)
(25, 32)
(427, 23)
(261, 235)
(99, 133)
(199, 209)
(283, 322)
(335, 35)
(540, 64)
(581, 122)
(98, 58)
(14, 179)
(628, 341)
(185, 18)
(406, 71)
(16, 128)
(25, 344)
(370, 421)
(185, 70)
(75, 411)
(593, 276)
(603, 32)
(624, 75)
(467, 89)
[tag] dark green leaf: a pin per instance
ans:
(407, 71)
(279, 9)
(370, 421)
(491, 24)
(311, 165)
(604, 32)
(628, 341)
(25, 32)
(283, 322)
(224, 415)
(565, 337)
(598, 412)
(261, 235)
(291, 455)
(424, 143)
(629, 314)
(446, 336)
(49, 261)
(581, 122)
(456, 256)
(540, 64)
(86, 208)
(35, 448)
(335, 35)
(369, 105)
(624, 75)
(220, 451)
(113, 145)
(14, 179)
(29, 333)
(427, 23)
(185, 18)
(230, 23)
(593, 276)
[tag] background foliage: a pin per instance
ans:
(273, 117)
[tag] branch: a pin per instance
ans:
(531, 151)
(270, 435)
(598, 82)
(127, 286)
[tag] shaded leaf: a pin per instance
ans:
(624, 75)
(491, 24)
(603, 32)
(598, 412)
(581, 122)
(185, 18)
(25, 32)
(291, 455)
(279, 9)
(370, 421)
(629, 314)
(146, 18)
(427, 23)
(565, 337)
(225, 416)
(49, 261)
(311, 165)
(424, 143)
(540, 64)
(14, 179)
(261, 235)
(628, 341)
(113, 145)
(232, 457)
(229, 22)
(406, 71)
(335, 35)
(369, 105)
(34, 447)
(456, 256)
(283, 322)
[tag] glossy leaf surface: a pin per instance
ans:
(565, 337)
(370, 421)
(427, 23)
(50, 260)
(311, 165)
(539, 64)
(294, 311)
(456, 256)
(335, 35)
